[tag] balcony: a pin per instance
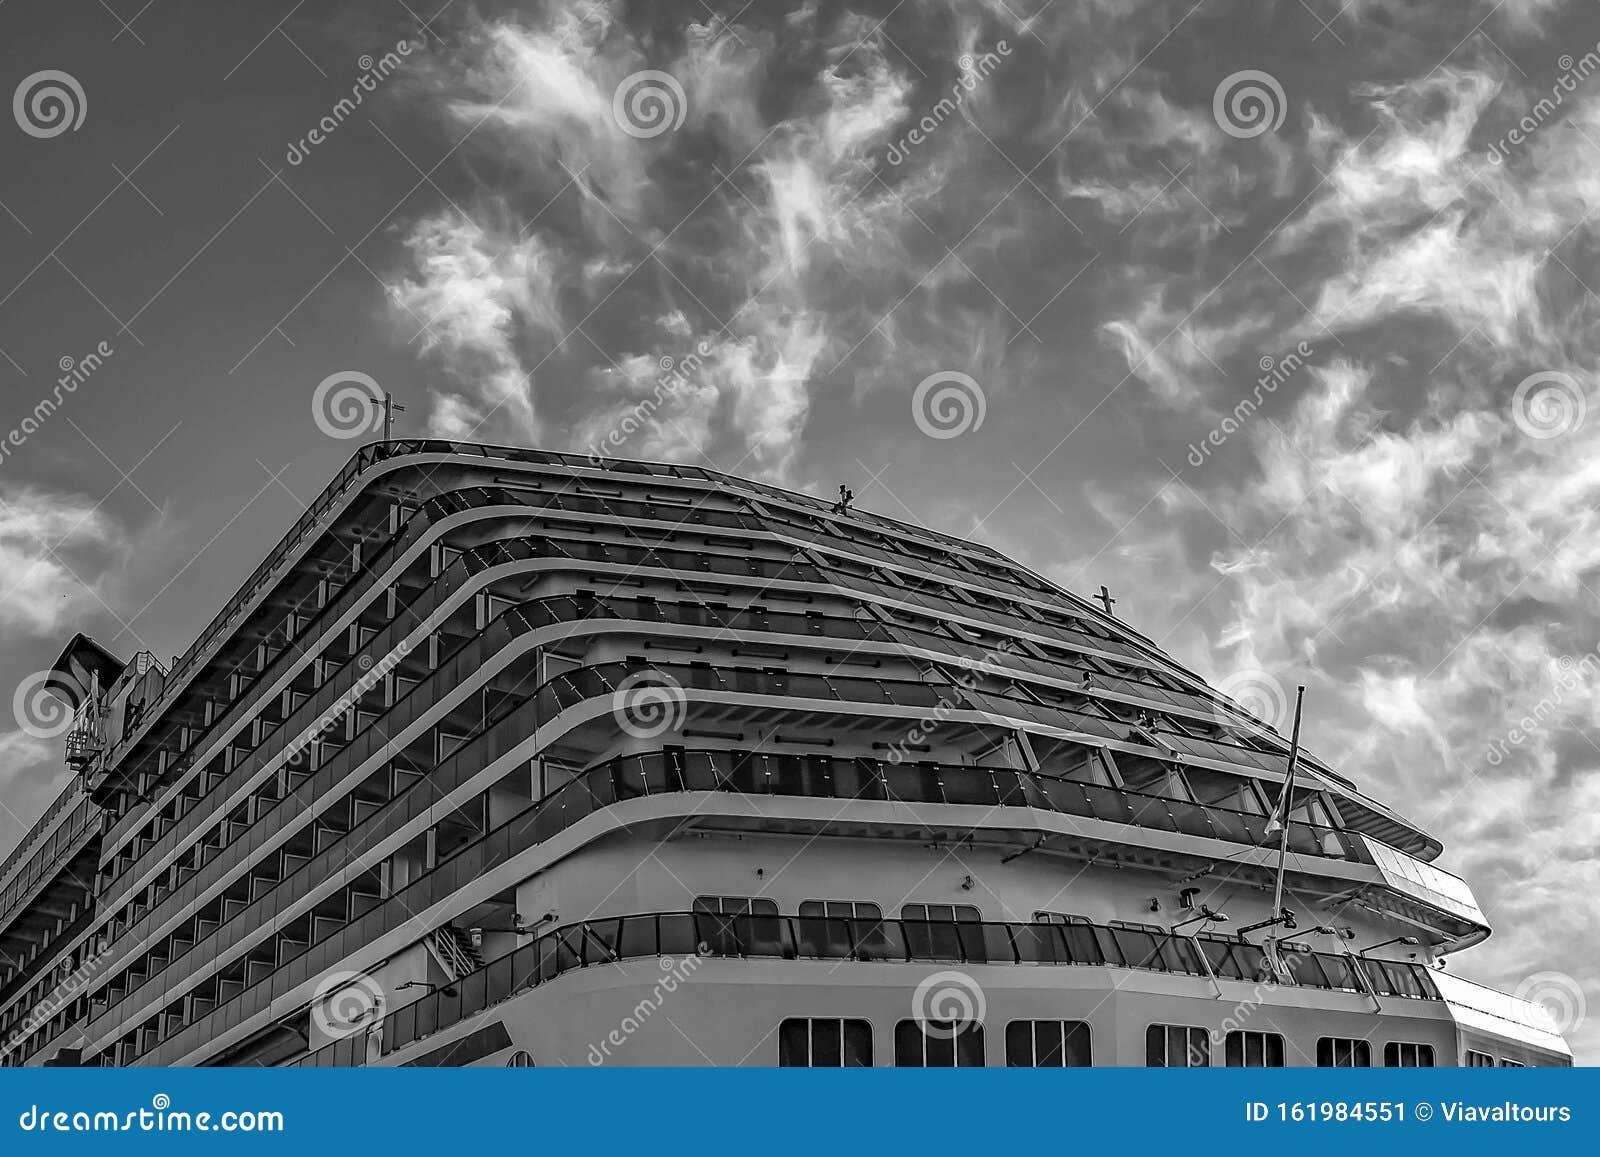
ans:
(1425, 884)
(681, 934)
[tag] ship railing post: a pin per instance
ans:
(1205, 962)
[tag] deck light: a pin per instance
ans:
(1207, 913)
(447, 989)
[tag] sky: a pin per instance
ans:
(1277, 319)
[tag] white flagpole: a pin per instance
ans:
(1285, 803)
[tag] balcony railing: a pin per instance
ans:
(644, 775)
(684, 934)
(47, 857)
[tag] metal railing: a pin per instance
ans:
(631, 777)
(598, 943)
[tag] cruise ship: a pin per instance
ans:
(518, 758)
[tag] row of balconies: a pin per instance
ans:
(679, 935)
(708, 771)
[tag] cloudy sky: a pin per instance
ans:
(1277, 319)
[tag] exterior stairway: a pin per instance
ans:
(452, 948)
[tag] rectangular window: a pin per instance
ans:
(1177, 1046)
(735, 906)
(844, 909)
(1253, 1050)
(1048, 1044)
(1337, 1052)
(938, 1044)
(1404, 1055)
(963, 913)
(1476, 1060)
(1504, 1064)
(1058, 918)
(824, 1043)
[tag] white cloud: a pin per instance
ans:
(52, 552)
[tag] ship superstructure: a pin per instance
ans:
(505, 756)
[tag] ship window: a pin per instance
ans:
(819, 1042)
(1048, 1044)
(959, 913)
(1177, 1046)
(521, 1059)
(735, 906)
(846, 909)
(1219, 789)
(938, 1044)
(1337, 1052)
(1504, 1064)
(1058, 918)
(1477, 1060)
(1405, 1055)
(1253, 1050)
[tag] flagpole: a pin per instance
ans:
(1285, 803)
